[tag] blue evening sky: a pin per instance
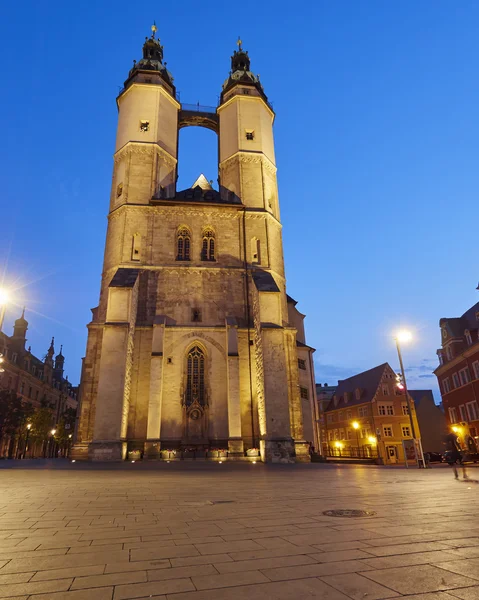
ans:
(376, 145)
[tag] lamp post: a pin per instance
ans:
(406, 336)
(355, 425)
(53, 431)
(4, 298)
(29, 426)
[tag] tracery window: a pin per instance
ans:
(183, 243)
(208, 245)
(195, 385)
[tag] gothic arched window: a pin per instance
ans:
(195, 373)
(208, 245)
(183, 242)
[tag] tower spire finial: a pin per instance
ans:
(239, 43)
(154, 29)
(23, 313)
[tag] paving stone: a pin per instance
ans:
(200, 560)
(403, 560)
(471, 593)
(163, 552)
(94, 581)
(12, 589)
(340, 555)
(90, 594)
(358, 587)
(137, 590)
(264, 563)
(69, 572)
(181, 572)
(469, 568)
(228, 580)
(301, 589)
(315, 570)
(139, 565)
(421, 578)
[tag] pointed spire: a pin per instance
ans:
(51, 350)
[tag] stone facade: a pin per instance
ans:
(194, 344)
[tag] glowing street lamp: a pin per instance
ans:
(372, 440)
(29, 426)
(405, 336)
(356, 426)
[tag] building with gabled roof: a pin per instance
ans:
(368, 417)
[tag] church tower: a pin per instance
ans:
(195, 347)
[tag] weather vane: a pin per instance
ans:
(154, 29)
(239, 43)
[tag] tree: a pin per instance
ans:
(13, 415)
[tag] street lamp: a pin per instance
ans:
(405, 336)
(53, 431)
(355, 425)
(4, 299)
(29, 426)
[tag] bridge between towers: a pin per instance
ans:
(196, 115)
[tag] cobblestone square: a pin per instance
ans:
(211, 531)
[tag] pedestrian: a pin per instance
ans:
(454, 455)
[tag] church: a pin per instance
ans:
(195, 348)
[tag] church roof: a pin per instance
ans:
(202, 182)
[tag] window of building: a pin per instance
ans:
(340, 415)
(330, 434)
(249, 134)
(389, 409)
(406, 431)
(405, 410)
(349, 414)
(455, 380)
(22, 387)
(462, 412)
(388, 430)
(357, 393)
(195, 377)
(30, 392)
(475, 369)
(144, 126)
(304, 392)
(34, 370)
(196, 315)
(329, 418)
(14, 357)
(349, 434)
(135, 246)
(341, 434)
(364, 433)
(36, 394)
(448, 353)
(183, 242)
(302, 364)
(453, 415)
(346, 397)
(472, 411)
(440, 357)
(464, 376)
(363, 411)
(468, 337)
(382, 409)
(255, 251)
(446, 386)
(208, 245)
(385, 390)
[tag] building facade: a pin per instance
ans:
(194, 344)
(368, 417)
(458, 371)
(324, 393)
(431, 419)
(39, 382)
